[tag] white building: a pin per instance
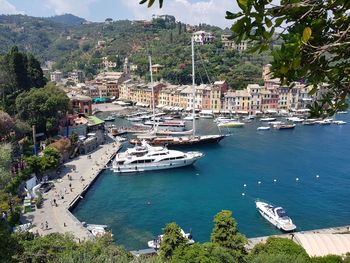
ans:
(202, 37)
(56, 76)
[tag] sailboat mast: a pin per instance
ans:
(152, 86)
(194, 89)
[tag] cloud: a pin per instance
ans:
(8, 8)
(76, 7)
(204, 11)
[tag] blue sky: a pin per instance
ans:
(189, 11)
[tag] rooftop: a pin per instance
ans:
(93, 121)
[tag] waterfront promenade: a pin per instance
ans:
(331, 230)
(75, 178)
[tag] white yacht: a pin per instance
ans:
(148, 158)
(339, 122)
(276, 215)
(267, 119)
(155, 243)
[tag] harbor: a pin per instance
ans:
(294, 169)
(76, 177)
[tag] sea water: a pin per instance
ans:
(305, 170)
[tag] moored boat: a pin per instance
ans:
(109, 118)
(148, 158)
(276, 215)
(284, 126)
(339, 122)
(267, 119)
(231, 124)
(155, 243)
(263, 128)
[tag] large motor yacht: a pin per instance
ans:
(145, 157)
(276, 215)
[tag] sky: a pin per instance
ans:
(188, 11)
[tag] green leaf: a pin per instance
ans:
(268, 22)
(296, 63)
(150, 3)
(243, 4)
(306, 34)
(232, 16)
(142, 2)
(279, 21)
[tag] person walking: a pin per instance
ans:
(46, 225)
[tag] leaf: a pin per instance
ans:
(306, 34)
(243, 4)
(150, 3)
(231, 16)
(142, 2)
(268, 22)
(279, 21)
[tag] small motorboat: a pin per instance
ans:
(342, 112)
(267, 119)
(339, 122)
(276, 215)
(109, 118)
(155, 243)
(284, 126)
(263, 128)
(324, 122)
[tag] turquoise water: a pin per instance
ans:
(137, 207)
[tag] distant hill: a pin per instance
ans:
(72, 44)
(67, 19)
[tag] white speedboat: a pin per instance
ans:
(145, 157)
(324, 122)
(276, 215)
(339, 122)
(155, 243)
(295, 119)
(263, 128)
(342, 112)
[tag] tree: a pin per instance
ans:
(8, 246)
(7, 124)
(202, 253)
(172, 239)
(42, 107)
(6, 151)
(315, 43)
(279, 246)
(225, 234)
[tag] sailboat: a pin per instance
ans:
(186, 140)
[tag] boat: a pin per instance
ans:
(284, 126)
(263, 128)
(339, 122)
(342, 112)
(174, 133)
(223, 119)
(170, 141)
(324, 122)
(155, 243)
(176, 126)
(145, 157)
(231, 124)
(120, 139)
(187, 140)
(109, 118)
(309, 122)
(206, 114)
(295, 119)
(274, 122)
(276, 215)
(267, 119)
(190, 117)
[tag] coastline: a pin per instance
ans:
(83, 173)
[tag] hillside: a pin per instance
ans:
(73, 45)
(67, 19)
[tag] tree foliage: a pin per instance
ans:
(19, 72)
(42, 107)
(172, 239)
(203, 253)
(226, 235)
(7, 124)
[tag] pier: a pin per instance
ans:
(331, 230)
(76, 178)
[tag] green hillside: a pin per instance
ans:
(74, 46)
